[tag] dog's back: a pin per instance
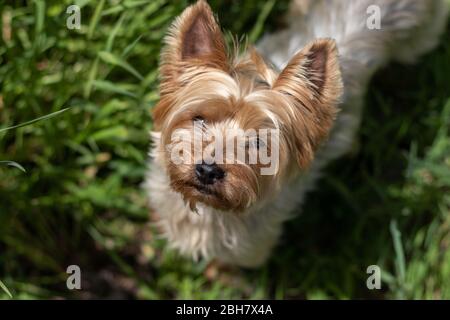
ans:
(406, 29)
(369, 34)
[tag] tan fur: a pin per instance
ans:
(195, 37)
(313, 80)
(242, 93)
(239, 219)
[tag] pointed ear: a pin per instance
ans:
(312, 82)
(194, 39)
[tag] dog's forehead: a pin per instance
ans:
(245, 77)
(207, 81)
(230, 113)
(219, 98)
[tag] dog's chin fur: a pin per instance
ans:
(235, 194)
(239, 218)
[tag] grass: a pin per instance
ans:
(79, 202)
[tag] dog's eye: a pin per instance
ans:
(199, 119)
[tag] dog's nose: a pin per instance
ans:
(209, 173)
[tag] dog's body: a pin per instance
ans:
(200, 226)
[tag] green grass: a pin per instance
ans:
(80, 201)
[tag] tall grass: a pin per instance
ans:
(80, 201)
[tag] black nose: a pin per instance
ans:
(209, 173)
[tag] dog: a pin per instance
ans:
(305, 85)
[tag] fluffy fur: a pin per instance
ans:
(238, 220)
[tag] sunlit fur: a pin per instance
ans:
(239, 219)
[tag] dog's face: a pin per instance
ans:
(233, 130)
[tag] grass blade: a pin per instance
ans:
(5, 289)
(399, 253)
(131, 46)
(112, 87)
(48, 116)
(91, 78)
(95, 19)
(116, 61)
(259, 26)
(13, 164)
(40, 17)
(112, 36)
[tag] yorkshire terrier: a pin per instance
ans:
(300, 95)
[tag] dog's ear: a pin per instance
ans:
(312, 83)
(194, 40)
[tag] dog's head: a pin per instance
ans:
(233, 129)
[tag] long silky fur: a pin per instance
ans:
(308, 81)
